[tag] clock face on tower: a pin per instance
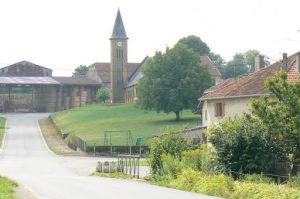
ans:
(119, 43)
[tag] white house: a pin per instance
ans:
(232, 97)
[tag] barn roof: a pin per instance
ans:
(25, 63)
(79, 80)
(28, 80)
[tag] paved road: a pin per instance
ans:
(25, 158)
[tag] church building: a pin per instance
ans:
(122, 77)
(116, 74)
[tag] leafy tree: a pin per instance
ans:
(103, 94)
(173, 81)
(241, 64)
(242, 145)
(236, 67)
(196, 44)
(81, 70)
(202, 48)
(250, 59)
(216, 59)
(280, 113)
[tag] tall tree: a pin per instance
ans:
(280, 113)
(250, 59)
(173, 81)
(81, 70)
(196, 44)
(236, 67)
(216, 59)
(202, 48)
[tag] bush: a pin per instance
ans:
(294, 182)
(258, 179)
(169, 144)
(171, 166)
(186, 180)
(250, 190)
(216, 185)
(199, 159)
(243, 145)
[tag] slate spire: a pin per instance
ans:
(119, 30)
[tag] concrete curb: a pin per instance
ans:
(25, 192)
(44, 141)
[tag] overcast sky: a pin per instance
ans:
(62, 34)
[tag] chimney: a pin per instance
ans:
(259, 62)
(284, 62)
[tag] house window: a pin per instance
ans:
(219, 109)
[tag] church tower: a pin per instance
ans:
(119, 63)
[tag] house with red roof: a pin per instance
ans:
(232, 97)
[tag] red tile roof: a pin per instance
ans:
(104, 70)
(252, 84)
(213, 70)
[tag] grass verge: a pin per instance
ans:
(7, 188)
(2, 129)
(118, 175)
(54, 140)
(89, 123)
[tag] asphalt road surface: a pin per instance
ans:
(26, 159)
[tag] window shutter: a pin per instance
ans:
(216, 109)
(223, 109)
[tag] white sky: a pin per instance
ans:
(62, 34)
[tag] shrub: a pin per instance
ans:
(216, 185)
(186, 180)
(294, 182)
(169, 143)
(103, 94)
(243, 145)
(258, 179)
(262, 190)
(171, 166)
(199, 159)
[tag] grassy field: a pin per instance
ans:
(2, 128)
(7, 188)
(89, 123)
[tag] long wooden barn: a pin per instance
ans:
(27, 87)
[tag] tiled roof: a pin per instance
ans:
(252, 84)
(26, 63)
(213, 70)
(79, 80)
(103, 70)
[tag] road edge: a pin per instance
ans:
(44, 141)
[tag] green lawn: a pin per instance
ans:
(89, 123)
(7, 188)
(2, 128)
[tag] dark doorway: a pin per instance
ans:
(16, 98)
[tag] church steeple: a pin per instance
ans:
(119, 63)
(119, 30)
